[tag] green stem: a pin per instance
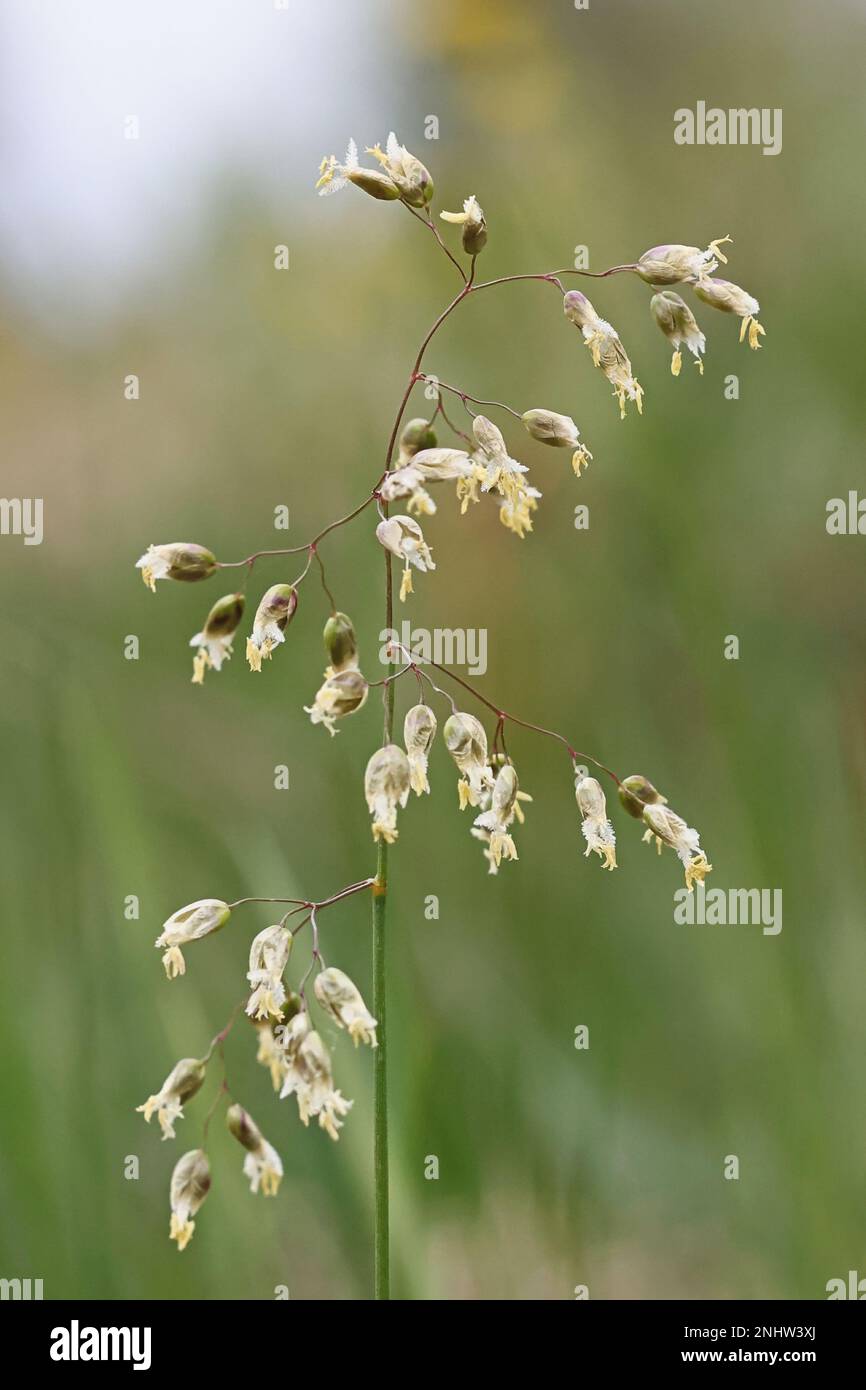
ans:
(381, 1228)
(382, 1254)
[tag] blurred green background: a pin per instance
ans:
(707, 518)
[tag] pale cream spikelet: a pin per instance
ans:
(341, 644)
(311, 1080)
(559, 431)
(180, 560)
(670, 265)
(405, 171)
(273, 615)
(678, 323)
(269, 956)
(419, 731)
(342, 694)
(493, 824)
(722, 294)
(405, 539)
(466, 741)
(387, 782)
(606, 349)
(667, 828)
(189, 924)
(595, 826)
(340, 997)
(214, 642)
(333, 176)
(185, 1079)
(190, 1184)
(262, 1164)
(474, 225)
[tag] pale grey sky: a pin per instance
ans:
(215, 84)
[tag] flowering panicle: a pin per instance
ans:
(185, 1080)
(288, 1044)
(387, 783)
(607, 351)
(262, 1164)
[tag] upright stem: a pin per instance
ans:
(381, 1252)
(381, 1236)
